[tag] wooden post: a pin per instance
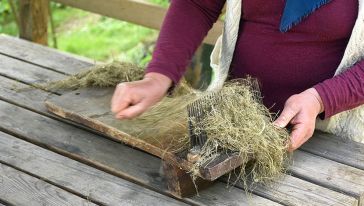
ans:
(34, 20)
(180, 183)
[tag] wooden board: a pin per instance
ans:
(89, 182)
(42, 56)
(292, 191)
(21, 94)
(26, 72)
(328, 173)
(91, 107)
(18, 188)
(336, 148)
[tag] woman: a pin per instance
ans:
(295, 68)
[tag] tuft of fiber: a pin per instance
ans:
(105, 75)
(235, 121)
(239, 122)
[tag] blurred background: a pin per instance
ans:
(99, 37)
(92, 35)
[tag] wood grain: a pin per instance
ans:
(43, 56)
(328, 173)
(91, 183)
(292, 191)
(18, 188)
(335, 148)
(22, 94)
(26, 72)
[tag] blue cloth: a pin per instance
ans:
(296, 10)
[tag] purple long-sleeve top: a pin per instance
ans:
(284, 63)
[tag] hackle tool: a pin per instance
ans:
(197, 111)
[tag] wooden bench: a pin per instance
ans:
(45, 159)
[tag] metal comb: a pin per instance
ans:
(197, 111)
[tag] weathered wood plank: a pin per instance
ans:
(94, 184)
(152, 15)
(18, 188)
(328, 173)
(43, 56)
(292, 191)
(99, 152)
(213, 194)
(22, 94)
(91, 107)
(336, 148)
(26, 72)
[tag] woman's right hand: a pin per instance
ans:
(131, 99)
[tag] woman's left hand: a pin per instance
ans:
(300, 110)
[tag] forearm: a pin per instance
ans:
(344, 91)
(186, 24)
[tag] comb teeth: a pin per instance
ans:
(196, 113)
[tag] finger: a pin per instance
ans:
(297, 137)
(131, 111)
(286, 116)
(119, 100)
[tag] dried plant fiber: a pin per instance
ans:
(235, 121)
(105, 75)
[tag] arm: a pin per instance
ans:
(344, 91)
(186, 24)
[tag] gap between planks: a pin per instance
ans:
(77, 178)
(21, 189)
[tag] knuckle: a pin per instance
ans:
(124, 86)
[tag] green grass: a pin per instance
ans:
(94, 36)
(102, 38)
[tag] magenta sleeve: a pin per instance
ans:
(344, 91)
(186, 24)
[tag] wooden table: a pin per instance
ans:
(45, 160)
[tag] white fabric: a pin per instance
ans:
(348, 124)
(224, 49)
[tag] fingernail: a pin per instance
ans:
(278, 124)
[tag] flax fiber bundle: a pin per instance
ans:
(237, 121)
(106, 75)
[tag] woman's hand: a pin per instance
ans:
(300, 111)
(131, 99)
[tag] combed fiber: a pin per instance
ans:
(235, 120)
